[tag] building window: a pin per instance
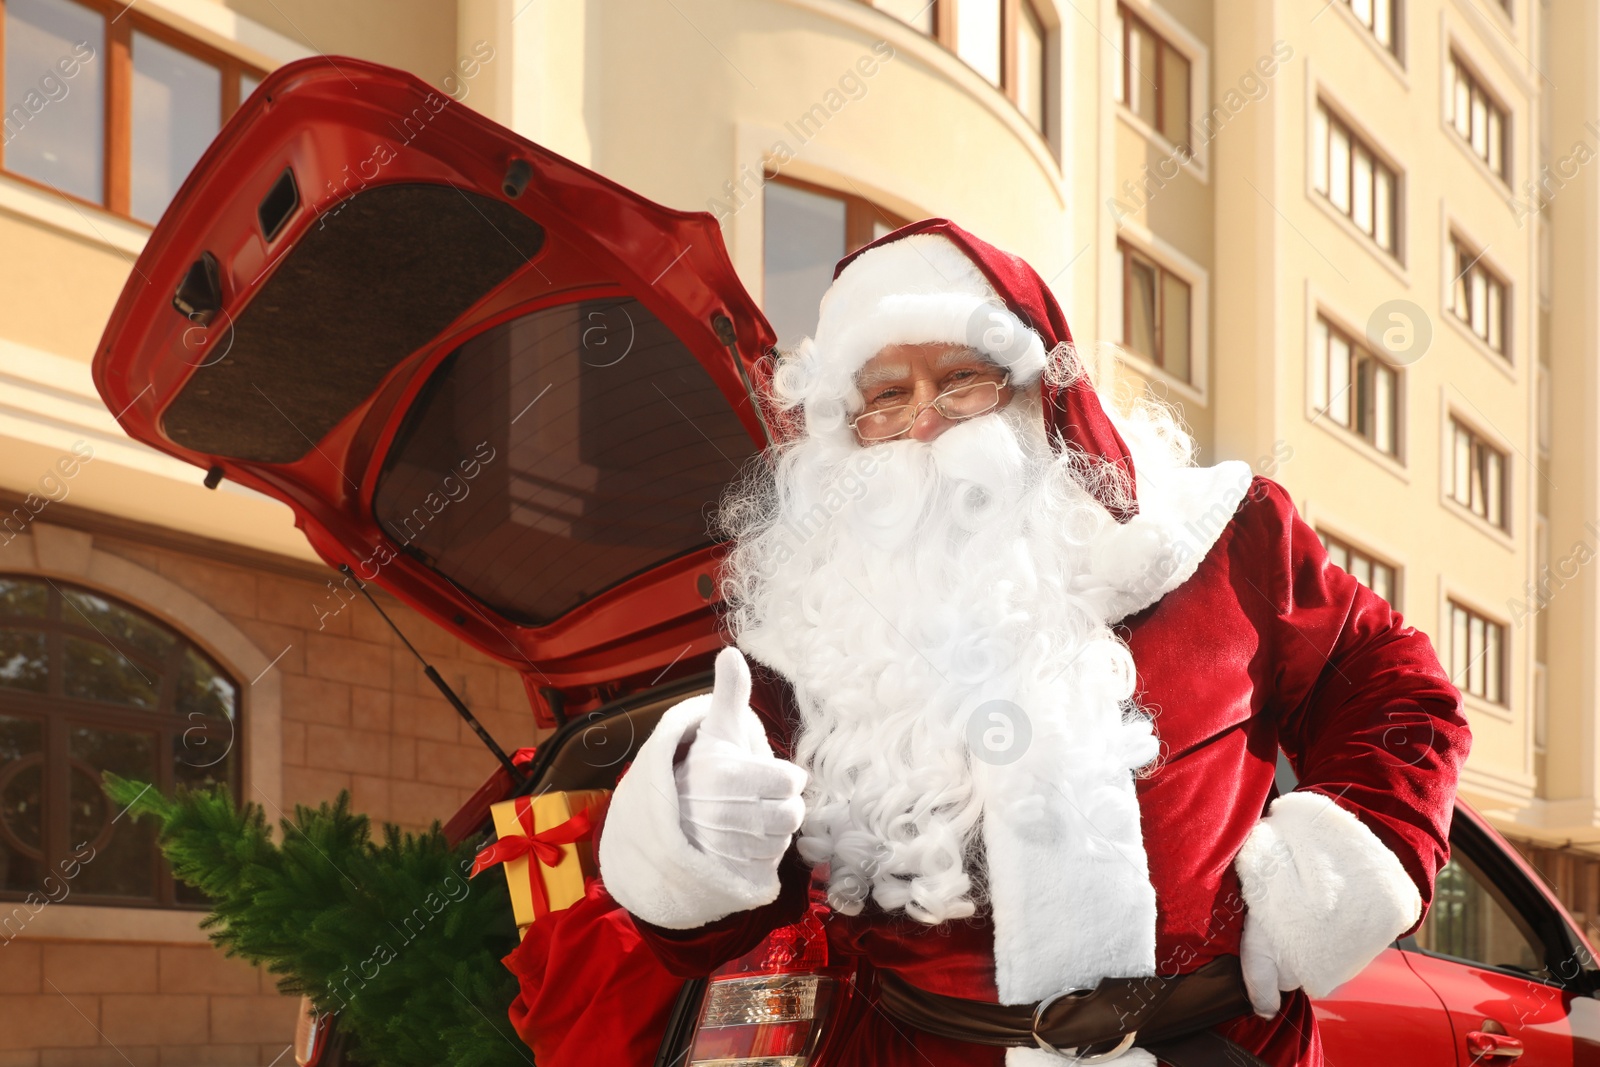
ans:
(1152, 79)
(1003, 40)
(1478, 296)
(1477, 475)
(1155, 311)
(1354, 388)
(87, 685)
(1476, 117)
(1381, 18)
(1371, 572)
(1354, 180)
(106, 106)
(1477, 654)
(807, 230)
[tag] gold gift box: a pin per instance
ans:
(563, 883)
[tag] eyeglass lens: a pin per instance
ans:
(962, 403)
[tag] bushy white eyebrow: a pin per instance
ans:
(872, 377)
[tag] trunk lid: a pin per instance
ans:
(493, 382)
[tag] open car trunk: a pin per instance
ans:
(485, 378)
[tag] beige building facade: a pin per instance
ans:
(1309, 224)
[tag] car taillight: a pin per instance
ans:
(311, 1031)
(773, 1006)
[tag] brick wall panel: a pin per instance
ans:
(21, 967)
(453, 765)
(284, 645)
(371, 709)
(243, 1055)
(510, 693)
(293, 603)
(425, 717)
(369, 795)
(257, 1019)
(305, 785)
(231, 590)
(99, 968)
(203, 969)
(403, 757)
(344, 659)
(339, 748)
(104, 1056)
(294, 743)
(315, 700)
(417, 804)
(49, 1020)
(155, 1019)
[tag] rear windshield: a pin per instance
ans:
(558, 454)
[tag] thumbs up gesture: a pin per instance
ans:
(736, 800)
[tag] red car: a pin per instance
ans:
(508, 391)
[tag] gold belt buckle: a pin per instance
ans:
(1071, 1055)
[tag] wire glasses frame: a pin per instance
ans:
(962, 402)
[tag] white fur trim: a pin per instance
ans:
(1326, 893)
(1070, 888)
(1038, 1057)
(916, 290)
(646, 863)
(1181, 514)
(1046, 939)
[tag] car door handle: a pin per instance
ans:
(1481, 1046)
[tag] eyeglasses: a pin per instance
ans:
(962, 402)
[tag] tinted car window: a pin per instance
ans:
(558, 454)
(1471, 920)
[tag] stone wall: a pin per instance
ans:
(87, 1004)
(352, 709)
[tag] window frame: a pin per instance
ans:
(57, 713)
(1327, 115)
(1478, 442)
(1128, 16)
(1396, 22)
(860, 212)
(122, 21)
(1456, 247)
(1457, 69)
(1501, 702)
(1011, 16)
(1128, 251)
(1327, 327)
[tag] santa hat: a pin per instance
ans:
(933, 281)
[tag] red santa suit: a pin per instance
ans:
(1245, 640)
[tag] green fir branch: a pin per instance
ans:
(377, 931)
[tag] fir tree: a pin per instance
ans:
(392, 936)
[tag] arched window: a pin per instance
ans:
(89, 684)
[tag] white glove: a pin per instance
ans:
(1323, 896)
(1265, 976)
(736, 800)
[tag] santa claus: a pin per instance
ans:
(1022, 676)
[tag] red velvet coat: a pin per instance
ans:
(1267, 645)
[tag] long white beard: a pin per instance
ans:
(933, 606)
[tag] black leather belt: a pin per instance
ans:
(1169, 1017)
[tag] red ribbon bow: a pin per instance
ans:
(545, 846)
